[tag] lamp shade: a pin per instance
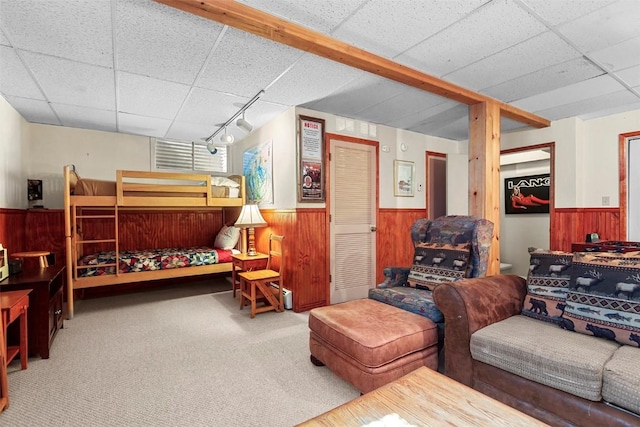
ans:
(250, 217)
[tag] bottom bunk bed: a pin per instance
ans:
(99, 269)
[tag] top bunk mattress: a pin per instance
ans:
(220, 188)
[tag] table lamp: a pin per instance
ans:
(250, 218)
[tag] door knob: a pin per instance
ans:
(374, 228)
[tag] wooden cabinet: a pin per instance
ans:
(45, 313)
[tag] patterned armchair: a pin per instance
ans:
(448, 248)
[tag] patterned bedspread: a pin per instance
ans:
(154, 259)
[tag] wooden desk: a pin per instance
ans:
(45, 304)
(14, 305)
(244, 262)
(425, 398)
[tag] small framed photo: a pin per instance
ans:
(403, 178)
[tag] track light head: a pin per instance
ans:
(226, 138)
(212, 148)
(243, 124)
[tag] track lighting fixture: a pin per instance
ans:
(242, 123)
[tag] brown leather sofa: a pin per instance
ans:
(472, 304)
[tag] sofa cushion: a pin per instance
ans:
(544, 353)
(621, 379)
(418, 301)
(604, 296)
(434, 263)
(547, 284)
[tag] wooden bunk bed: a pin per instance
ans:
(89, 200)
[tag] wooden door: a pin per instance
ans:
(353, 211)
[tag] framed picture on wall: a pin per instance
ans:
(311, 166)
(403, 178)
(527, 194)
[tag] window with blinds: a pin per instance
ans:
(189, 156)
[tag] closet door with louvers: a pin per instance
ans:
(353, 220)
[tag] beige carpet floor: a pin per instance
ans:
(174, 356)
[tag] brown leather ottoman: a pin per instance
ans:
(369, 343)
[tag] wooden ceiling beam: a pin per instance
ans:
(262, 24)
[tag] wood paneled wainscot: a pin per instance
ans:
(572, 225)
(306, 253)
(393, 241)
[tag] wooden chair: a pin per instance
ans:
(265, 285)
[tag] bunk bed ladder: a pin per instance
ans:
(79, 239)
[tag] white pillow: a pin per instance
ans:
(227, 237)
(221, 181)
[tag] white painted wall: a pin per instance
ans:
(13, 142)
(633, 195)
(518, 232)
(96, 154)
(282, 134)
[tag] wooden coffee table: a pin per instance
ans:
(425, 398)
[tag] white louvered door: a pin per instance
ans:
(353, 220)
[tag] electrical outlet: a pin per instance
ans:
(605, 200)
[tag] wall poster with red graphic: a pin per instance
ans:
(311, 186)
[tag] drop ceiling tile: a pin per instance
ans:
(604, 27)
(141, 125)
(162, 42)
(630, 76)
(405, 103)
(544, 80)
(358, 95)
(405, 23)
(72, 29)
(146, 96)
(558, 12)
(619, 56)
(86, 118)
(543, 50)
(243, 64)
(33, 110)
(490, 29)
(73, 83)
(410, 120)
(4, 41)
(319, 15)
(209, 107)
(455, 129)
(587, 107)
(15, 78)
(310, 79)
(577, 92)
(184, 131)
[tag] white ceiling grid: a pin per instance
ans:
(136, 66)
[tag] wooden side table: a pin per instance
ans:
(244, 262)
(14, 305)
(41, 255)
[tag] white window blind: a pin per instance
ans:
(189, 156)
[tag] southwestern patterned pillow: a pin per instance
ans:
(604, 296)
(435, 263)
(547, 284)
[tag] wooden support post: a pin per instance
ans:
(484, 172)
